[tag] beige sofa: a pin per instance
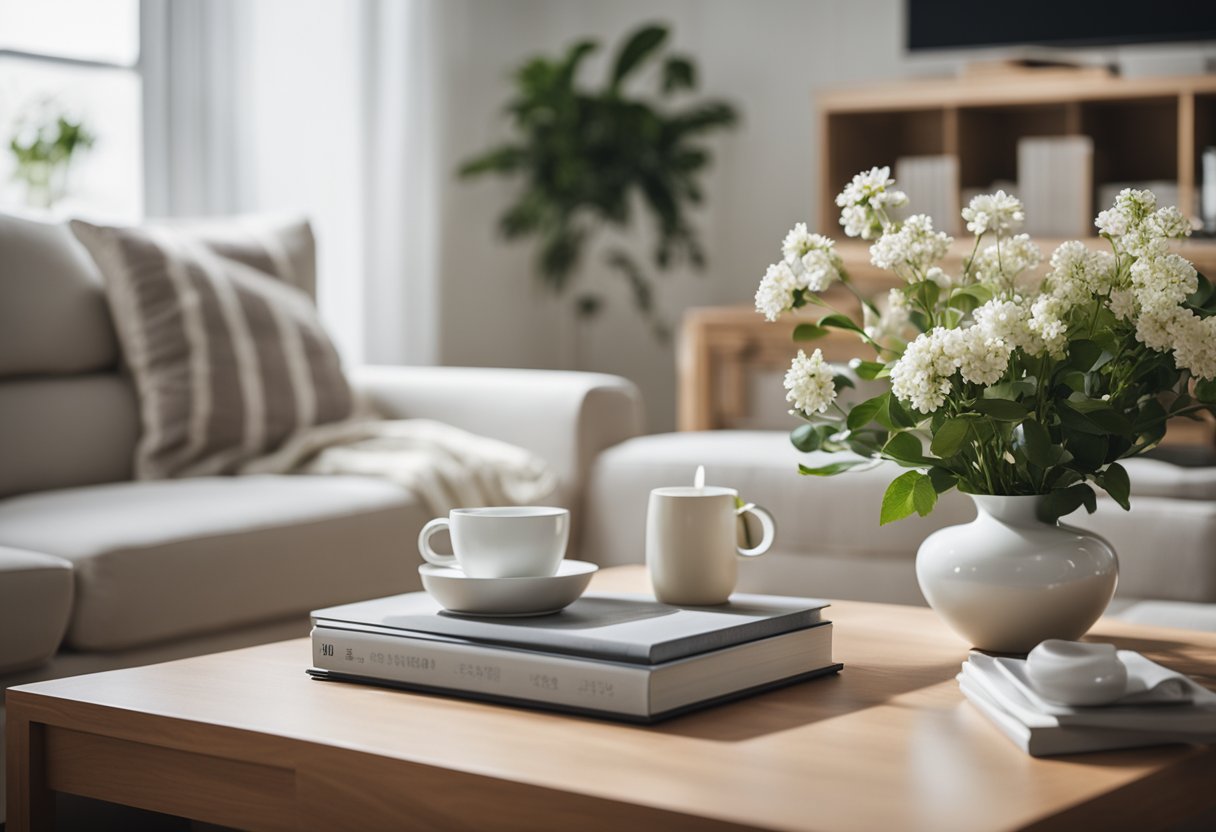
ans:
(98, 571)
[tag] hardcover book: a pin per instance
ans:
(613, 627)
(619, 690)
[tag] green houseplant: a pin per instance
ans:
(43, 151)
(585, 155)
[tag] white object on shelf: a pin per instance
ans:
(931, 183)
(1055, 184)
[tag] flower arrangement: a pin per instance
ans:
(1001, 382)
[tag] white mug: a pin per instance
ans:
(501, 542)
(692, 546)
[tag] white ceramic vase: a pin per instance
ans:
(1007, 580)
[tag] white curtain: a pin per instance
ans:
(313, 107)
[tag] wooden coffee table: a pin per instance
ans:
(245, 739)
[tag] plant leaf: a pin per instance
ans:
(866, 412)
(905, 448)
(637, 49)
(1036, 442)
(679, 73)
(1205, 390)
(832, 468)
(1002, 409)
(1083, 355)
(1118, 485)
(808, 332)
(906, 494)
(942, 480)
(1064, 501)
(840, 321)
(867, 370)
(949, 438)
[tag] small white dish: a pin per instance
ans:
(456, 592)
(1077, 673)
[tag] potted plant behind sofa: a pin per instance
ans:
(1024, 394)
(43, 146)
(586, 155)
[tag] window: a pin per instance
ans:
(78, 59)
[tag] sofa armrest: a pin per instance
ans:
(567, 418)
(36, 592)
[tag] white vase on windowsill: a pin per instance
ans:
(1008, 580)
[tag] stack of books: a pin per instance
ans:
(1161, 707)
(625, 657)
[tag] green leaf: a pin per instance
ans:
(832, 468)
(1203, 294)
(1117, 485)
(1088, 449)
(1031, 436)
(896, 415)
(866, 412)
(1205, 391)
(1083, 355)
(899, 499)
(926, 293)
(637, 49)
(807, 438)
(1011, 390)
(1002, 409)
(867, 370)
(942, 480)
(808, 332)
(839, 321)
(679, 73)
(1065, 501)
(905, 448)
(949, 438)
(841, 382)
(1074, 380)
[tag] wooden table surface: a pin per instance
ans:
(246, 739)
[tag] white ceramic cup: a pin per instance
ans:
(506, 542)
(692, 546)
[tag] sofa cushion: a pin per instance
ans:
(1157, 478)
(53, 316)
(63, 431)
(166, 559)
(229, 357)
(35, 602)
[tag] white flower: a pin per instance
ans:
(1009, 322)
(809, 382)
(1123, 304)
(923, 375)
(1155, 327)
(1047, 322)
(999, 212)
(776, 292)
(998, 265)
(864, 202)
(1165, 281)
(816, 263)
(1195, 344)
(915, 245)
(797, 243)
(891, 321)
(939, 277)
(1168, 222)
(1078, 274)
(1130, 209)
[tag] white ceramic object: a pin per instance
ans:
(1008, 581)
(502, 542)
(692, 546)
(1076, 673)
(457, 592)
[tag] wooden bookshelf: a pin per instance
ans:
(1142, 128)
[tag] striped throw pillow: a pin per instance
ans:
(219, 331)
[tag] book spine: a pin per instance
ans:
(558, 680)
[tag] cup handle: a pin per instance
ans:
(766, 521)
(424, 543)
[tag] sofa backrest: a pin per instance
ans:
(67, 415)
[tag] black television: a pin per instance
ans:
(966, 24)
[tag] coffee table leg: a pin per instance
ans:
(31, 804)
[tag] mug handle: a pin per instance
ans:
(424, 543)
(766, 521)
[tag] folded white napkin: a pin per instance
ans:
(1191, 711)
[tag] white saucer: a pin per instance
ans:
(498, 597)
